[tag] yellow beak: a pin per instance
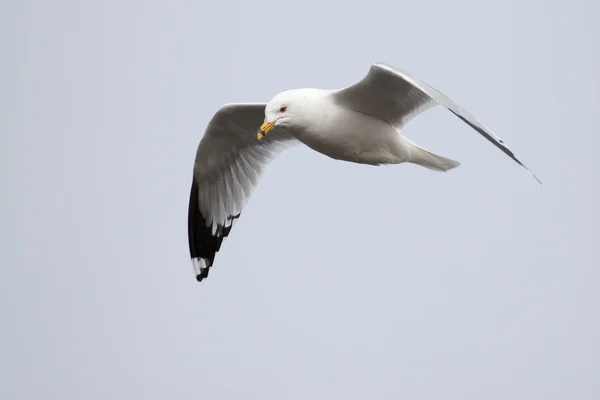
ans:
(264, 129)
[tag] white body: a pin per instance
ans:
(348, 135)
(351, 136)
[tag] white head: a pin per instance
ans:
(288, 109)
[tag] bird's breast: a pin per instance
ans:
(348, 135)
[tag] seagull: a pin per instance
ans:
(361, 123)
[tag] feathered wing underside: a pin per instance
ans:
(396, 97)
(228, 165)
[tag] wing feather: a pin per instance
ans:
(228, 165)
(395, 96)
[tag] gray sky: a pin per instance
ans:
(339, 280)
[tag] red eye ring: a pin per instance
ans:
(282, 109)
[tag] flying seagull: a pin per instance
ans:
(361, 123)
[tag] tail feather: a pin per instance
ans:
(429, 160)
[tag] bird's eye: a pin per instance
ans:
(282, 109)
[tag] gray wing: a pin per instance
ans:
(229, 162)
(396, 97)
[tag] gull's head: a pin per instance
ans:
(287, 109)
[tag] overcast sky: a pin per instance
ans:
(339, 280)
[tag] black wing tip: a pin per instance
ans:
(201, 267)
(202, 275)
(536, 178)
(530, 173)
(203, 242)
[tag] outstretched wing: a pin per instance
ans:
(396, 97)
(229, 162)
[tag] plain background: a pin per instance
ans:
(339, 280)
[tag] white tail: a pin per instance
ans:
(427, 159)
